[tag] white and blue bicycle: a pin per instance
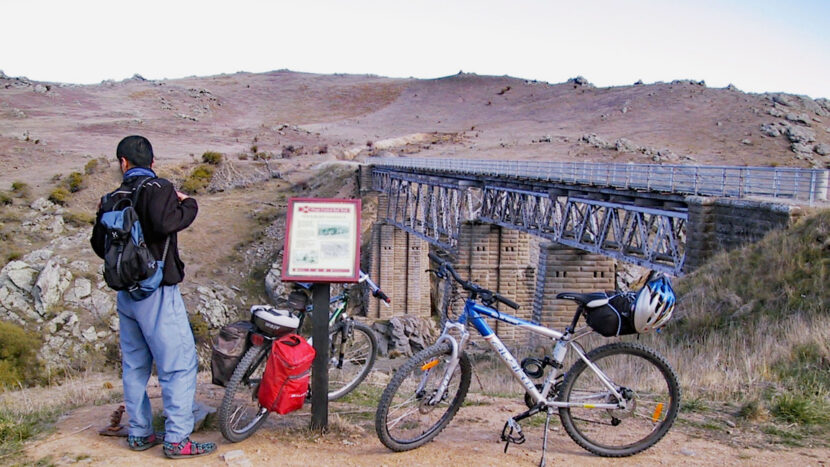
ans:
(616, 400)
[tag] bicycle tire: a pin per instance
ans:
(651, 390)
(360, 347)
(419, 423)
(240, 404)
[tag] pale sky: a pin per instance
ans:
(759, 46)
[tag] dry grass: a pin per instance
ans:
(75, 391)
(28, 412)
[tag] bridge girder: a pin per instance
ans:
(433, 208)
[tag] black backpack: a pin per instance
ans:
(128, 263)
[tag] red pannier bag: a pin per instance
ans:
(287, 372)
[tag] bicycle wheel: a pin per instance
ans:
(240, 414)
(352, 352)
(405, 418)
(649, 387)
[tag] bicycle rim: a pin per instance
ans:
(407, 417)
(649, 387)
(240, 414)
(351, 357)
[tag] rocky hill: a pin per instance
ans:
(277, 130)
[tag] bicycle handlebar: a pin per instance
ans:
(376, 292)
(487, 296)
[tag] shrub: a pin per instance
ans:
(18, 355)
(200, 328)
(798, 409)
(91, 166)
(198, 180)
(242, 157)
(59, 196)
(20, 189)
(79, 218)
(75, 182)
(5, 198)
(254, 148)
(211, 157)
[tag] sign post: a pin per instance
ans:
(320, 294)
(322, 245)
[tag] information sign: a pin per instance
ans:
(322, 240)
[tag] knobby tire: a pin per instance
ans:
(240, 402)
(650, 389)
(404, 420)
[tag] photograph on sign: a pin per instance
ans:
(322, 240)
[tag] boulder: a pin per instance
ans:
(597, 142)
(802, 148)
(50, 285)
(42, 204)
(213, 305)
(798, 135)
(770, 129)
(776, 113)
(38, 256)
(579, 81)
(274, 286)
(81, 289)
(802, 118)
(20, 274)
(16, 281)
(822, 149)
(625, 145)
(89, 334)
(102, 305)
(404, 335)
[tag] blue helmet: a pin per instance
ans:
(655, 304)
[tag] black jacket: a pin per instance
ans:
(161, 214)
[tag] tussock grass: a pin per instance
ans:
(754, 327)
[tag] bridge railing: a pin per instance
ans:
(809, 185)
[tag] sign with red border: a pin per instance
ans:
(322, 240)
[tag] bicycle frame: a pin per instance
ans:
(474, 314)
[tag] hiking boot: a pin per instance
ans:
(187, 448)
(141, 443)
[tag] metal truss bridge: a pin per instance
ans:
(635, 213)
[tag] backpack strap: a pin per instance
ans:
(138, 189)
(135, 200)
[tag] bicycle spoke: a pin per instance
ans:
(404, 419)
(650, 399)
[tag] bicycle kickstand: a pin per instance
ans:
(545, 437)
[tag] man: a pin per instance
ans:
(155, 328)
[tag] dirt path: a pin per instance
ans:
(471, 439)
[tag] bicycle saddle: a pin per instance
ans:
(588, 300)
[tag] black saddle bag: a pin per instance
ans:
(614, 319)
(228, 348)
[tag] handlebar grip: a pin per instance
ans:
(384, 297)
(506, 301)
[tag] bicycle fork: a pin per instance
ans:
(456, 348)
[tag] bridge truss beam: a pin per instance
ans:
(433, 208)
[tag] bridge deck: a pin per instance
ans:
(804, 185)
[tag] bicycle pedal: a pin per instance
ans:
(507, 435)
